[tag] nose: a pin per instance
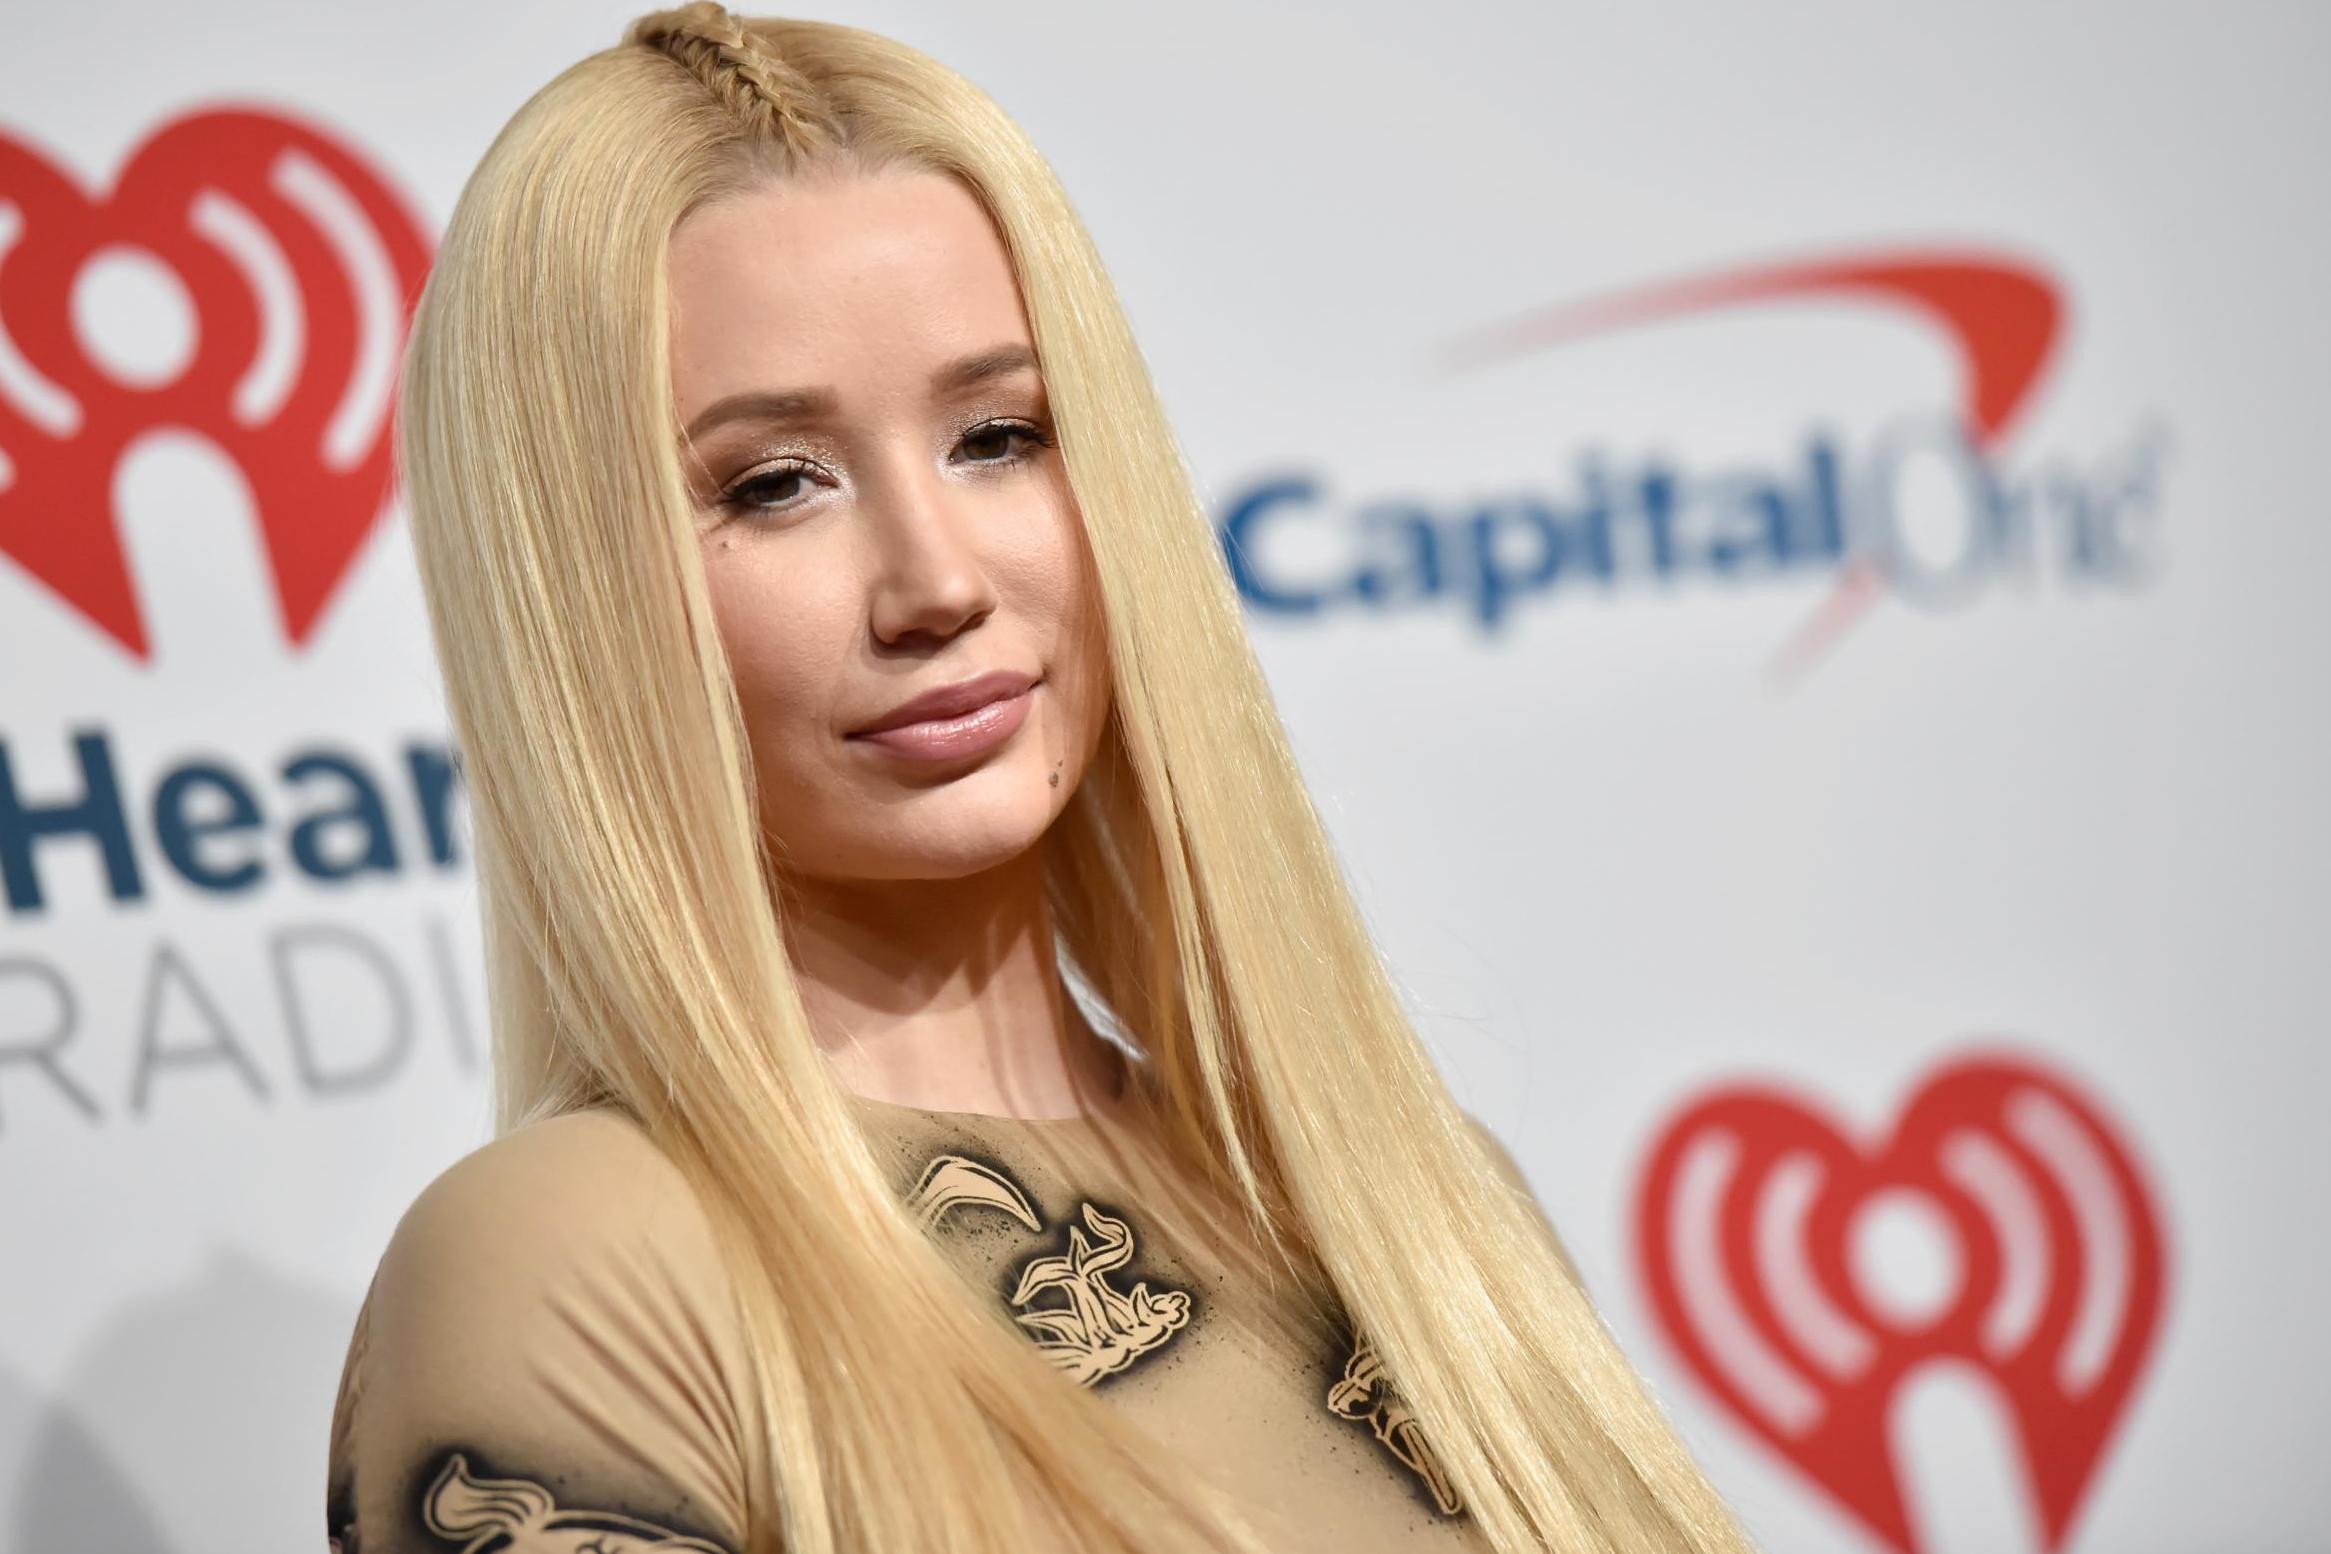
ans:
(928, 576)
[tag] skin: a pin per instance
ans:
(900, 538)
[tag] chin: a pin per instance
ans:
(960, 830)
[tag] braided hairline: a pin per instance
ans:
(736, 66)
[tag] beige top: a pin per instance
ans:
(546, 1359)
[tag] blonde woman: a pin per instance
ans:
(948, 1099)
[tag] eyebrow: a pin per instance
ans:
(807, 404)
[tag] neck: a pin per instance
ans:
(946, 994)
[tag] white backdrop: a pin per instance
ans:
(1836, 756)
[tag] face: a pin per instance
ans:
(883, 515)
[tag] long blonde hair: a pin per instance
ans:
(635, 959)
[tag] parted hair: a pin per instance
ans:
(635, 940)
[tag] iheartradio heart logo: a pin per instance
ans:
(293, 266)
(1761, 1233)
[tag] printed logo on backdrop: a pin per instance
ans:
(248, 279)
(1855, 514)
(2002, 1227)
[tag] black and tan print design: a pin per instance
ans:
(1364, 1394)
(1095, 1330)
(482, 1515)
(955, 1181)
(1101, 1329)
(340, 1516)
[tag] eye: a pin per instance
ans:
(766, 490)
(1003, 442)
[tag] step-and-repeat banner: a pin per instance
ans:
(1792, 543)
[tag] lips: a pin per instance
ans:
(950, 701)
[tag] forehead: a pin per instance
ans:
(834, 279)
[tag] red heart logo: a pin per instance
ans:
(1747, 1221)
(301, 266)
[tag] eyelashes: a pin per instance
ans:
(763, 490)
(776, 487)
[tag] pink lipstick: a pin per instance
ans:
(954, 721)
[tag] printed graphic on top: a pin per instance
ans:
(1094, 1329)
(1364, 1395)
(481, 1515)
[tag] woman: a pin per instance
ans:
(843, 666)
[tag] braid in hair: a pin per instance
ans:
(763, 91)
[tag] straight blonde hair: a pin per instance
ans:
(636, 958)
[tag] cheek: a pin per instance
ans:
(785, 647)
(1069, 595)
(1052, 558)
